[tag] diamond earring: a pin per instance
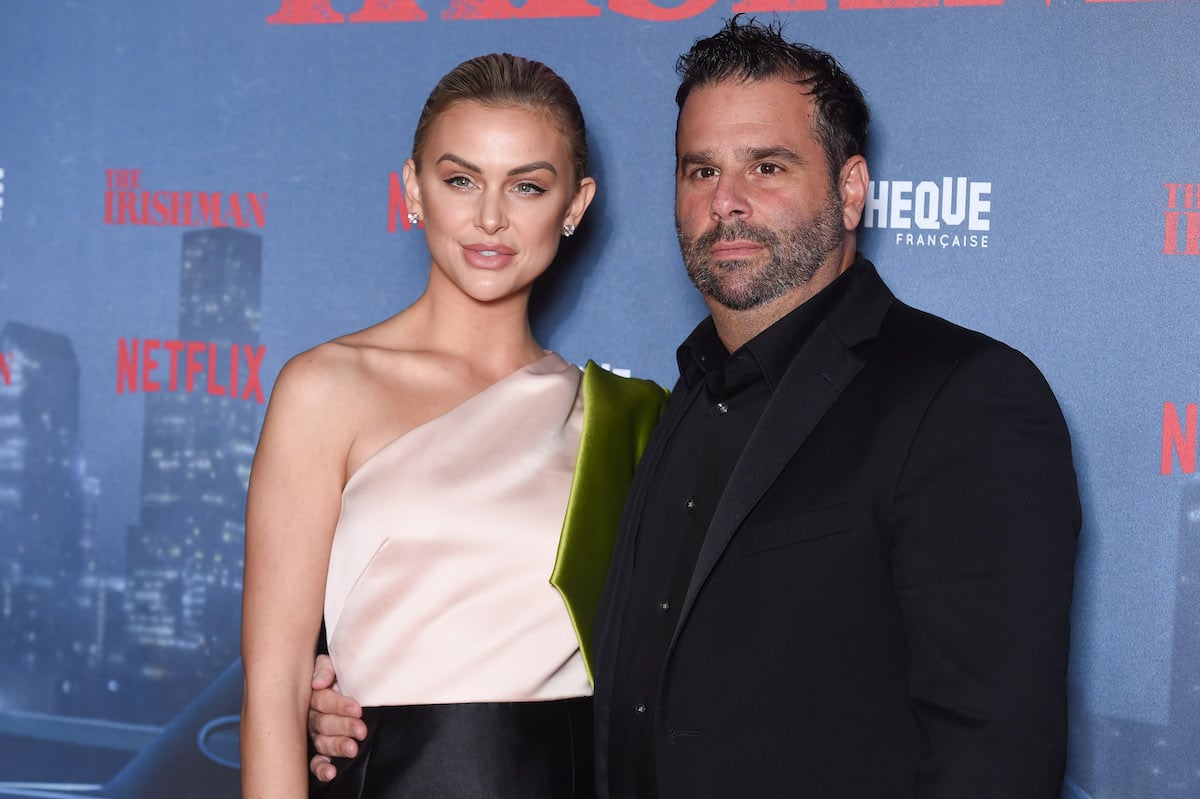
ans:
(568, 231)
(413, 218)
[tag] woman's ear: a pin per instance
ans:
(580, 202)
(412, 189)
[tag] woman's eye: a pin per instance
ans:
(525, 187)
(459, 182)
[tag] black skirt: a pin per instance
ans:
(524, 750)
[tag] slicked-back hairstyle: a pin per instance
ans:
(508, 81)
(747, 50)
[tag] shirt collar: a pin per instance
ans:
(702, 356)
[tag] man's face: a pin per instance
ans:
(757, 212)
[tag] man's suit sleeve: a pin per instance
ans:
(984, 522)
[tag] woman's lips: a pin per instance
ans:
(488, 256)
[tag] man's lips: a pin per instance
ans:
(735, 249)
(488, 256)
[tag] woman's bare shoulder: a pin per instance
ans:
(325, 373)
(367, 379)
(349, 363)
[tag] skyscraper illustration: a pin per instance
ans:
(1136, 758)
(184, 556)
(1184, 741)
(41, 512)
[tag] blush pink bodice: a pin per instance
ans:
(438, 578)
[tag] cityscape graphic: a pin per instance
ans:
(94, 666)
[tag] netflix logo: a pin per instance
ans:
(1179, 438)
(6, 360)
(127, 202)
(189, 366)
(1181, 219)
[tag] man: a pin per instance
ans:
(845, 565)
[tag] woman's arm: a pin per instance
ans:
(291, 511)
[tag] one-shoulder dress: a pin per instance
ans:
(440, 613)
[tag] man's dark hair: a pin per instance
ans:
(751, 51)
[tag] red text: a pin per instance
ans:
(189, 364)
(1181, 219)
(1179, 439)
(320, 12)
(5, 369)
(126, 203)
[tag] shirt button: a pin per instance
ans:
(664, 606)
(690, 504)
(722, 407)
(639, 709)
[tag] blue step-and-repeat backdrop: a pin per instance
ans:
(193, 191)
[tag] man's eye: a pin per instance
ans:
(767, 169)
(705, 172)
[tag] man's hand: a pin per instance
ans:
(334, 721)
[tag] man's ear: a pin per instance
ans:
(852, 186)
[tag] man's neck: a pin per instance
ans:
(735, 328)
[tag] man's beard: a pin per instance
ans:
(796, 253)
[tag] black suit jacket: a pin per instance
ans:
(880, 606)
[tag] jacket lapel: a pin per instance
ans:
(821, 370)
(808, 389)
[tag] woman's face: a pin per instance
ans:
(494, 190)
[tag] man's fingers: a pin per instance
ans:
(322, 769)
(340, 724)
(328, 702)
(335, 746)
(336, 726)
(323, 676)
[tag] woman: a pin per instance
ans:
(420, 471)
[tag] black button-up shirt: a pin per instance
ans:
(725, 395)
